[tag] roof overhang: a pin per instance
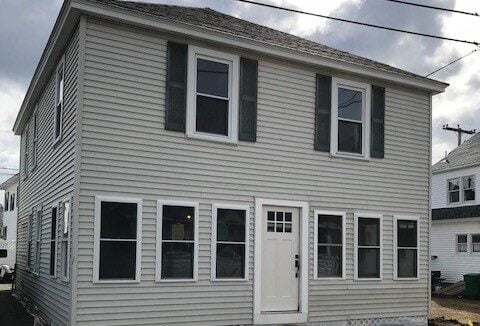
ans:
(72, 9)
(10, 181)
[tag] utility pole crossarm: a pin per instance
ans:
(459, 132)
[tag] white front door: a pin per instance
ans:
(280, 259)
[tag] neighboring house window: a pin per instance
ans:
(406, 247)
(462, 243)
(7, 201)
(350, 118)
(65, 240)
(59, 92)
(229, 242)
(330, 244)
(38, 238)
(475, 242)
(177, 241)
(212, 105)
(35, 141)
(12, 201)
(468, 188)
(4, 232)
(53, 241)
(118, 229)
(369, 246)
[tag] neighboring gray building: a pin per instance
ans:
(182, 166)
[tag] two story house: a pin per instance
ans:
(182, 166)
(8, 227)
(455, 237)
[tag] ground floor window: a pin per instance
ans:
(368, 242)
(53, 241)
(330, 244)
(406, 247)
(177, 240)
(475, 242)
(229, 242)
(118, 227)
(462, 243)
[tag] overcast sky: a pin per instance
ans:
(25, 26)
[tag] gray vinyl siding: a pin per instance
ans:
(127, 152)
(49, 182)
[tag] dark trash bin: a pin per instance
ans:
(472, 286)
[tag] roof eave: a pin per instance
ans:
(456, 168)
(72, 9)
(9, 182)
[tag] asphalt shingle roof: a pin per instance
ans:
(450, 213)
(466, 154)
(214, 20)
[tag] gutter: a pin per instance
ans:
(72, 9)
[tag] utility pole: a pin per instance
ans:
(459, 132)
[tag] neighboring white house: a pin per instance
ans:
(180, 166)
(8, 232)
(455, 238)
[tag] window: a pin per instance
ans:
(177, 241)
(12, 201)
(461, 189)
(350, 118)
(279, 222)
(59, 93)
(229, 242)
(26, 149)
(30, 241)
(462, 243)
(3, 253)
(35, 140)
(330, 245)
(468, 188)
(475, 242)
(118, 229)
(65, 207)
(53, 241)
(406, 246)
(368, 244)
(7, 201)
(38, 238)
(5, 233)
(212, 105)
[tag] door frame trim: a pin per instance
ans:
(279, 318)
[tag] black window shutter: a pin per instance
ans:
(377, 149)
(323, 109)
(176, 92)
(247, 113)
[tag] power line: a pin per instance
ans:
(359, 23)
(435, 8)
(451, 63)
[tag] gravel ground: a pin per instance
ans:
(452, 311)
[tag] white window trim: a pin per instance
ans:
(25, 152)
(30, 241)
(315, 247)
(472, 243)
(60, 65)
(366, 91)
(358, 215)
(281, 318)
(37, 241)
(96, 250)
(35, 138)
(233, 62)
(395, 247)
(158, 269)
(213, 262)
(61, 238)
(55, 265)
(463, 253)
(461, 196)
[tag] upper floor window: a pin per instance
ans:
(461, 189)
(59, 92)
(34, 139)
(7, 201)
(212, 100)
(350, 118)
(26, 149)
(12, 201)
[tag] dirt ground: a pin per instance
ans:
(444, 312)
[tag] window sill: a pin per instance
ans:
(368, 279)
(406, 279)
(212, 138)
(350, 156)
(229, 280)
(329, 279)
(57, 141)
(116, 282)
(176, 280)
